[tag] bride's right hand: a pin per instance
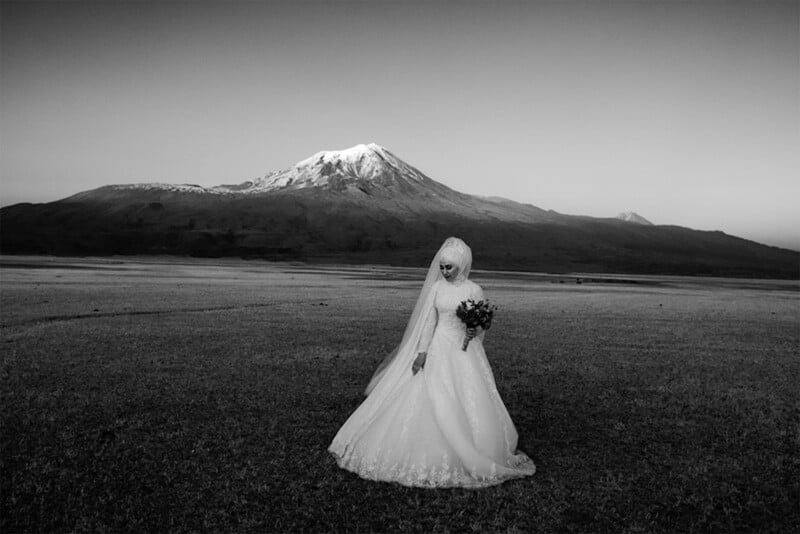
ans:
(419, 362)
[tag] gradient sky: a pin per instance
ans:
(686, 112)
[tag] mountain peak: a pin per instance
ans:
(352, 153)
(369, 165)
(633, 217)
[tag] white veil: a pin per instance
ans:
(396, 367)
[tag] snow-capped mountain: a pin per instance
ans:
(633, 217)
(365, 176)
(358, 167)
(338, 169)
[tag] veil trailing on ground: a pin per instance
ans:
(396, 367)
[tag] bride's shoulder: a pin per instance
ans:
(437, 286)
(470, 284)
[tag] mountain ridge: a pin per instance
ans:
(366, 205)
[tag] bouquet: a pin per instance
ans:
(474, 314)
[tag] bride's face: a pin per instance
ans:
(449, 270)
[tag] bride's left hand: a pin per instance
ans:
(419, 362)
(472, 332)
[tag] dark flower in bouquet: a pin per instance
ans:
(474, 314)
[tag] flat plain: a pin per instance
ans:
(163, 394)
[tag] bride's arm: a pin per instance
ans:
(425, 339)
(427, 330)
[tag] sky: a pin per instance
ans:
(686, 112)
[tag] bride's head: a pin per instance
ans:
(455, 260)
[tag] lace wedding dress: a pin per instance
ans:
(445, 426)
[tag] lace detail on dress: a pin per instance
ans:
(426, 475)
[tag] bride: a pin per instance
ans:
(433, 416)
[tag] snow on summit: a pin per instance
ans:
(329, 168)
(370, 162)
(353, 154)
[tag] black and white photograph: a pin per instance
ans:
(424, 266)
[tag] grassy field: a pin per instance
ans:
(155, 395)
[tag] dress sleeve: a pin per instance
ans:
(428, 329)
